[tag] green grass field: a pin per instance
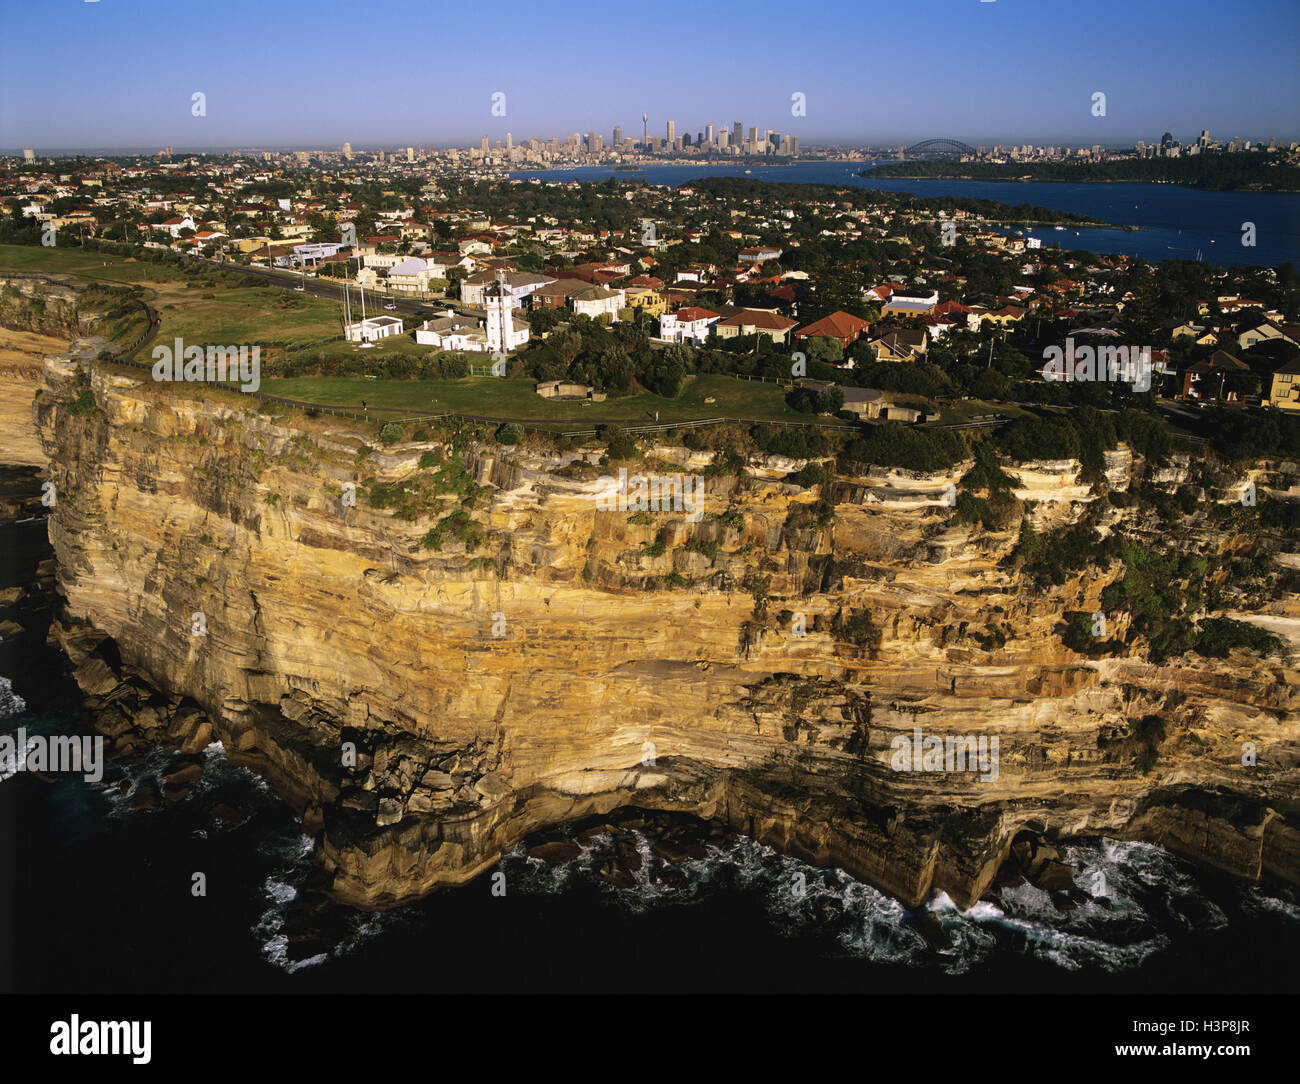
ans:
(87, 264)
(252, 315)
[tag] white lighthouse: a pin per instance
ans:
(501, 334)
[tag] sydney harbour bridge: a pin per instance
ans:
(935, 147)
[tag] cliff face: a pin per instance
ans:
(39, 314)
(555, 672)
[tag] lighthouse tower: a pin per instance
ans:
(500, 324)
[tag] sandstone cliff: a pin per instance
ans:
(580, 660)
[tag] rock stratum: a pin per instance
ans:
(581, 660)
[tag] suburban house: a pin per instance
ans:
(556, 295)
(758, 255)
(1008, 314)
(311, 255)
(597, 301)
(174, 225)
(518, 284)
(1285, 390)
(1207, 378)
(643, 297)
(444, 263)
(1200, 335)
(411, 275)
(903, 305)
(844, 327)
(687, 325)
(756, 322)
(1266, 331)
(900, 345)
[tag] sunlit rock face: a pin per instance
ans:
(427, 708)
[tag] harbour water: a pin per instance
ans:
(1174, 222)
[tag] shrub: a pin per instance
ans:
(510, 433)
(391, 433)
(84, 404)
(1219, 635)
(618, 445)
(858, 628)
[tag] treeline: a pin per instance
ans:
(1244, 171)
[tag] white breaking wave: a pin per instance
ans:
(11, 703)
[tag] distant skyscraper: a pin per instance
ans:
(753, 135)
(618, 136)
(410, 154)
(483, 147)
(686, 139)
(347, 151)
(644, 139)
(672, 130)
(794, 146)
(708, 133)
(510, 141)
(737, 133)
(29, 155)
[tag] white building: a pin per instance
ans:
(597, 301)
(687, 325)
(451, 331)
(376, 327)
(311, 255)
(412, 275)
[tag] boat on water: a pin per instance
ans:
(629, 169)
(749, 171)
(1061, 228)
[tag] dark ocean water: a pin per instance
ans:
(96, 897)
(1176, 223)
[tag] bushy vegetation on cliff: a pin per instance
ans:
(895, 445)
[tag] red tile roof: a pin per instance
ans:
(838, 325)
(757, 318)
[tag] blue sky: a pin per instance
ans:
(121, 73)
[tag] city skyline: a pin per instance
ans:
(984, 73)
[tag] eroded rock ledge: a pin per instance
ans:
(563, 669)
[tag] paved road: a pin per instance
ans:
(332, 290)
